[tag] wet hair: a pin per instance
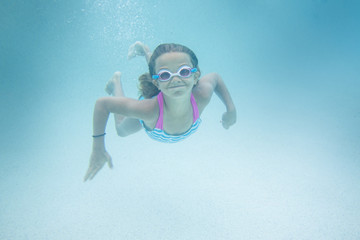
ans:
(146, 87)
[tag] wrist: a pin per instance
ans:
(231, 108)
(99, 135)
(98, 144)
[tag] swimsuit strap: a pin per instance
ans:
(160, 98)
(195, 108)
(160, 121)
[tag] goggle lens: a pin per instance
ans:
(165, 76)
(185, 72)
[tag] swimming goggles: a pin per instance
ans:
(183, 72)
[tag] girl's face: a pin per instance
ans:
(176, 86)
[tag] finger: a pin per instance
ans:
(225, 124)
(93, 173)
(110, 164)
(86, 178)
(87, 174)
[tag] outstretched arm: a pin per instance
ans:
(209, 84)
(120, 105)
(229, 117)
(99, 155)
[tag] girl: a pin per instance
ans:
(172, 99)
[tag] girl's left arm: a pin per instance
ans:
(229, 117)
(204, 89)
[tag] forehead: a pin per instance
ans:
(172, 61)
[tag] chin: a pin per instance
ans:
(178, 93)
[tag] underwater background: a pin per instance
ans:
(288, 169)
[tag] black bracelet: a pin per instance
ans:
(100, 135)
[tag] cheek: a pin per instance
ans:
(161, 85)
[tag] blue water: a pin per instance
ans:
(289, 168)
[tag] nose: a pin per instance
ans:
(175, 78)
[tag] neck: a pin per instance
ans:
(177, 106)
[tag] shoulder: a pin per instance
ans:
(150, 109)
(204, 89)
(207, 84)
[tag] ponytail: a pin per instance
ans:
(146, 87)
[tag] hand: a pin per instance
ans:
(228, 119)
(97, 161)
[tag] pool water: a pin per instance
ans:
(288, 169)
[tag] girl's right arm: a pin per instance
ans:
(99, 155)
(120, 105)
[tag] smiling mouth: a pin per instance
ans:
(177, 86)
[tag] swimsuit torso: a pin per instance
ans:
(158, 132)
